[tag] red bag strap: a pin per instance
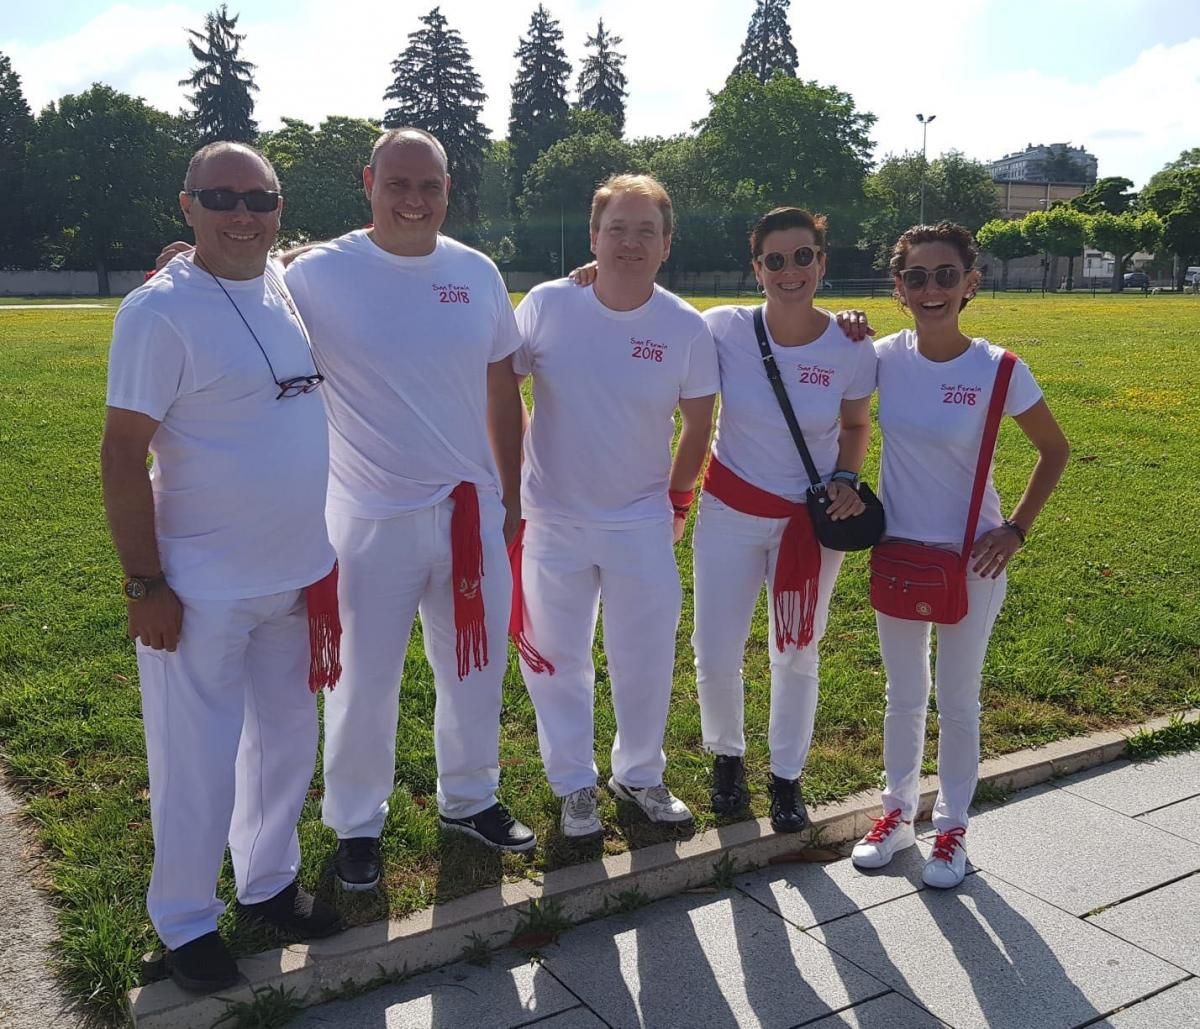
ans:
(987, 446)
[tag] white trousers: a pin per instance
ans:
(566, 570)
(961, 648)
(389, 570)
(231, 741)
(734, 554)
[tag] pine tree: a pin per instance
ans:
(222, 81)
(539, 115)
(436, 89)
(16, 132)
(601, 80)
(768, 47)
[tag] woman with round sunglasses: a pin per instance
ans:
(935, 386)
(753, 527)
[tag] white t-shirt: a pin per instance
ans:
(931, 415)
(752, 436)
(405, 343)
(239, 476)
(606, 385)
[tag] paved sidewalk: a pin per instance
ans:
(1082, 909)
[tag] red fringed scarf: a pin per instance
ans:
(798, 568)
(324, 632)
(516, 618)
(466, 570)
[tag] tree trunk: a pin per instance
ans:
(1070, 272)
(1118, 279)
(1004, 274)
(102, 278)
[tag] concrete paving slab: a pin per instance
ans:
(890, 1011)
(810, 894)
(1163, 922)
(1073, 853)
(991, 956)
(508, 993)
(703, 962)
(1135, 787)
(1182, 819)
(1172, 1009)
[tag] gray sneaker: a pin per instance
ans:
(659, 804)
(579, 820)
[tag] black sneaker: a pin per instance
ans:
(202, 965)
(357, 863)
(495, 827)
(788, 813)
(295, 911)
(728, 793)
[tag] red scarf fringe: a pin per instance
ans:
(516, 618)
(324, 632)
(466, 569)
(798, 567)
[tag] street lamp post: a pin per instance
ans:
(924, 120)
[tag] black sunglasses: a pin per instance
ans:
(776, 262)
(945, 275)
(260, 201)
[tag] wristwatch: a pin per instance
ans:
(848, 477)
(138, 587)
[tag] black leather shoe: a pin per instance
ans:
(495, 827)
(357, 863)
(788, 813)
(297, 912)
(728, 793)
(202, 965)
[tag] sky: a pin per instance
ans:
(1119, 77)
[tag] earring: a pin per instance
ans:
(762, 290)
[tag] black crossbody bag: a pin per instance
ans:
(857, 533)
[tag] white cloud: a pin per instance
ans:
(321, 59)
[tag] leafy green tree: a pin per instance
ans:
(222, 83)
(1174, 195)
(1059, 232)
(110, 169)
(1122, 235)
(602, 80)
(17, 226)
(1187, 159)
(320, 173)
(436, 89)
(555, 203)
(1110, 195)
(496, 222)
(1004, 240)
(539, 116)
(768, 49)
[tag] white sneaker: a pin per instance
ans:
(888, 835)
(659, 804)
(948, 863)
(579, 820)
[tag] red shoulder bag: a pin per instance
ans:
(927, 584)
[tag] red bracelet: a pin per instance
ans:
(681, 501)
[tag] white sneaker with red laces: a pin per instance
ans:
(948, 863)
(888, 835)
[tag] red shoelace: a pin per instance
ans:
(883, 826)
(947, 842)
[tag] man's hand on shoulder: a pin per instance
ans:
(170, 252)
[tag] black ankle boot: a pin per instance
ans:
(728, 793)
(788, 813)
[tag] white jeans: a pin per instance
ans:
(389, 570)
(231, 741)
(734, 554)
(566, 570)
(961, 648)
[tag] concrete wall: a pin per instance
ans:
(42, 283)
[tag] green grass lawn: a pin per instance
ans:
(1101, 628)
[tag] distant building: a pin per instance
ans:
(1058, 163)
(1017, 199)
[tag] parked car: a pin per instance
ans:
(1137, 280)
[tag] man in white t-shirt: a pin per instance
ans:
(228, 565)
(415, 332)
(611, 364)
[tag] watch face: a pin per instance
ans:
(135, 589)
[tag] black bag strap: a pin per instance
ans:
(785, 405)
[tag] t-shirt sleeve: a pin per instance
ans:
(862, 382)
(525, 318)
(297, 284)
(1023, 390)
(147, 363)
(507, 338)
(703, 375)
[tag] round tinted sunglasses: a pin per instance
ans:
(260, 201)
(776, 262)
(945, 275)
